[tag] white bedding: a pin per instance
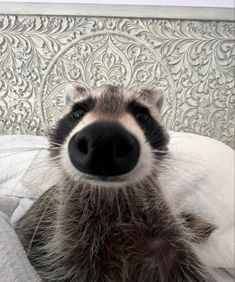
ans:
(24, 174)
(199, 179)
(17, 154)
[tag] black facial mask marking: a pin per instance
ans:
(153, 131)
(67, 123)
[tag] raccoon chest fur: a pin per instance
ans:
(102, 235)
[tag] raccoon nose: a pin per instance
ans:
(104, 149)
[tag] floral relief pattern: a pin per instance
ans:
(193, 62)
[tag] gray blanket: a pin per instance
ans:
(14, 265)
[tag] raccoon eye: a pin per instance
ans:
(142, 117)
(78, 113)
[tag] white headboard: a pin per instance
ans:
(188, 52)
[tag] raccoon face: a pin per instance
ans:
(109, 135)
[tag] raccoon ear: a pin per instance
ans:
(154, 96)
(74, 92)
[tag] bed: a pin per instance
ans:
(186, 52)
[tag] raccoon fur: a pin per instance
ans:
(106, 219)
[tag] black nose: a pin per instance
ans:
(104, 149)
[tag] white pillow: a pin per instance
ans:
(16, 155)
(199, 175)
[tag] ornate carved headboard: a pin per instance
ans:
(188, 52)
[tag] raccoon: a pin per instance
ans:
(106, 219)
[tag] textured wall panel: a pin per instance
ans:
(192, 61)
